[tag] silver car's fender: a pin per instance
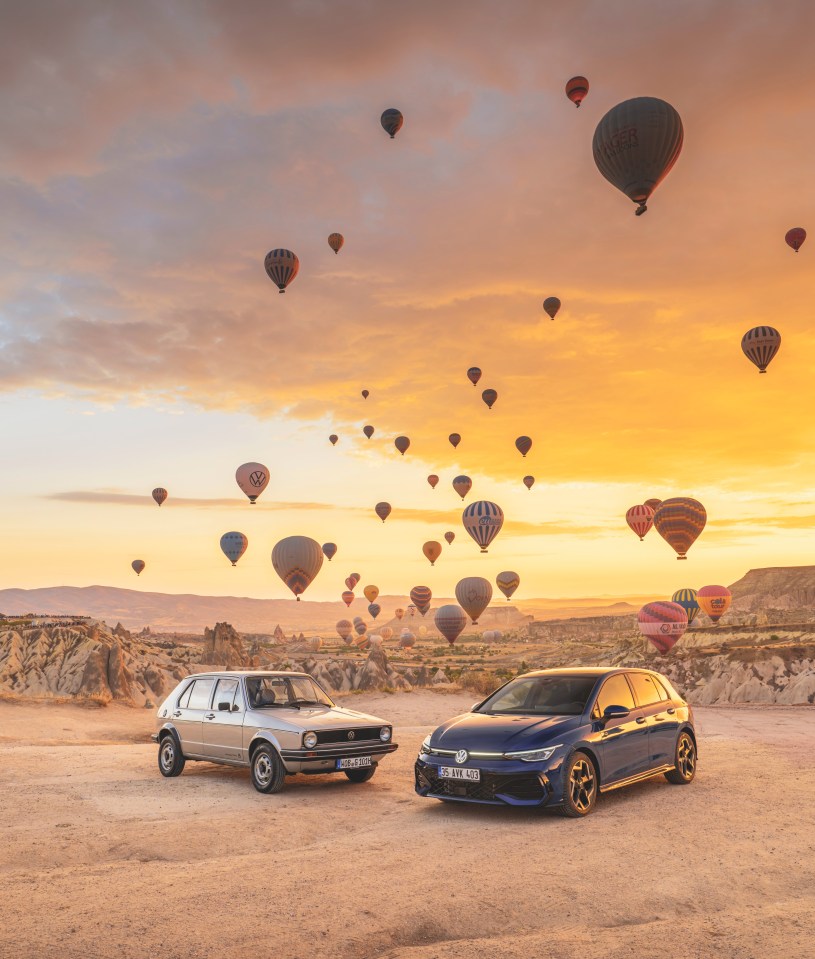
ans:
(265, 735)
(167, 728)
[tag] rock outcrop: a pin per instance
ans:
(224, 647)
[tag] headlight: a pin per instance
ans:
(533, 755)
(310, 740)
(424, 749)
(385, 733)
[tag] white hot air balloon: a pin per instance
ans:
(234, 546)
(474, 594)
(253, 478)
(297, 560)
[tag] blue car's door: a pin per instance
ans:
(622, 744)
(660, 716)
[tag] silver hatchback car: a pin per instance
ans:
(274, 723)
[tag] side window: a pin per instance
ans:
(184, 702)
(615, 692)
(645, 689)
(662, 689)
(202, 688)
(225, 693)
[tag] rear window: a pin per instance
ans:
(661, 687)
(615, 692)
(201, 691)
(645, 689)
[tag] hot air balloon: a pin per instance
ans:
(362, 642)
(474, 374)
(159, 495)
(335, 241)
(550, 306)
(450, 622)
(281, 267)
(795, 238)
(402, 443)
(368, 431)
(423, 631)
(375, 639)
(360, 627)
(348, 597)
(715, 601)
(138, 566)
(297, 560)
(398, 613)
(529, 481)
(411, 610)
(653, 503)
(421, 596)
(455, 439)
(449, 536)
(253, 478)
(663, 623)
(333, 439)
(329, 551)
(462, 485)
(523, 445)
(679, 521)
(350, 582)
(386, 632)
(507, 582)
(233, 546)
(488, 635)
(640, 518)
(407, 640)
(370, 593)
(391, 121)
(365, 394)
(483, 521)
(474, 594)
(760, 345)
(433, 480)
(432, 551)
(489, 397)
(576, 89)
(344, 628)
(374, 609)
(355, 577)
(636, 144)
(686, 598)
(383, 510)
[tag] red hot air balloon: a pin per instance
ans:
(760, 345)
(432, 551)
(449, 536)
(350, 582)
(679, 521)
(333, 439)
(450, 621)
(383, 510)
(483, 521)
(529, 481)
(365, 394)
(455, 439)
(795, 238)
(329, 551)
(551, 305)
(715, 601)
(281, 267)
(433, 480)
(355, 577)
(523, 445)
(159, 495)
(138, 566)
(640, 519)
(653, 503)
(474, 374)
(489, 397)
(368, 431)
(635, 146)
(392, 121)
(462, 485)
(348, 597)
(576, 90)
(663, 623)
(335, 241)
(402, 443)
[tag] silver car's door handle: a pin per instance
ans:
(210, 716)
(177, 713)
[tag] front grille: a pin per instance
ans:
(527, 788)
(326, 736)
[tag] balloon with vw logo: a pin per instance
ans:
(483, 521)
(253, 478)
(663, 623)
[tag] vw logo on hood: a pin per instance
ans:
(461, 756)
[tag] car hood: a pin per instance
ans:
(314, 717)
(481, 732)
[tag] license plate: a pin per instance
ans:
(456, 772)
(353, 762)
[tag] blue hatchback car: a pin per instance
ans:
(558, 738)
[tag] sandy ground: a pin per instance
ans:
(101, 857)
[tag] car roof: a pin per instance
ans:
(596, 671)
(247, 672)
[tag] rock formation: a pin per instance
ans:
(223, 647)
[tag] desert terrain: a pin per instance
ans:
(103, 857)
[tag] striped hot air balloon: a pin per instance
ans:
(392, 121)
(663, 623)
(715, 601)
(374, 609)
(407, 640)
(348, 597)
(523, 445)
(233, 546)
(159, 494)
(760, 345)
(281, 267)
(329, 551)
(345, 629)
(686, 598)
(654, 503)
(450, 621)
(483, 521)
(640, 518)
(795, 237)
(335, 241)
(297, 560)
(507, 582)
(420, 596)
(462, 485)
(679, 521)
(576, 90)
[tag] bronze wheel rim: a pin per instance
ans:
(686, 757)
(582, 785)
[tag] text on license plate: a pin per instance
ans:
(353, 762)
(456, 772)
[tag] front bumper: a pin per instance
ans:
(504, 785)
(324, 759)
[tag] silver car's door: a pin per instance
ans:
(222, 729)
(189, 715)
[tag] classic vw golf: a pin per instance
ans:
(558, 737)
(274, 723)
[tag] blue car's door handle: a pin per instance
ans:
(641, 719)
(659, 719)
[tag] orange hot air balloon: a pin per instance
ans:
(399, 613)
(474, 374)
(795, 238)
(449, 536)
(550, 306)
(433, 480)
(640, 518)
(281, 267)
(350, 582)
(335, 241)
(635, 146)
(333, 439)
(455, 439)
(489, 397)
(371, 592)
(368, 431)
(383, 510)
(297, 560)
(432, 551)
(523, 445)
(679, 521)
(138, 566)
(348, 597)
(329, 551)
(653, 503)
(402, 443)
(760, 345)
(529, 481)
(462, 485)
(365, 394)
(159, 495)
(576, 90)
(715, 601)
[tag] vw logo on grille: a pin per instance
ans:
(351, 734)
(461, 756)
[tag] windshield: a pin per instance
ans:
(542, 696)
(271, 691)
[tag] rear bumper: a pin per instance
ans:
(154, 737)
(495, 788)
(324, 760)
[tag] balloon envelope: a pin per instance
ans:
(281, 267)
(348, 597)
(432, 551)
(507, 582)
(370, 593)
(297, 560)
(433, 480)
(686, 598)
(455, 439)
(550, 306)
(345, 629)
(329, 551)
(399, 613)
(402, 443)
(450, 621)
(383, 510)
(483, 521)
(374, 609)
(474, 594)
(679, 521)
(449, 536)
(368, 431)
(391, 121)
(760, 345)
(361, 628)
(386, 632)
(474, 374)
(420, 596)
(138, 565)
(715, 601)
(523, 444)
(795, 237)
(653, 503)
(253, 478)
(663, 623)
(159, 494)
(335, 241)
(529, 481)
(233, 546)
(365, 394)
(576, 89)
(333, 439)
(489, 397)
(640, 518)
(462, 485)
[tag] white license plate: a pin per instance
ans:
(456, 772)
(353, 762)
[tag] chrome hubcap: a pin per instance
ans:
(263, 770)
(686, 757)
(167, 755)
(582, 785)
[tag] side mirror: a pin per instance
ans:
(612, 713)
(224, 707)
(474, 707)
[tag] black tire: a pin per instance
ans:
(361, 775)
(579, 788)
(170, 758)
(268, 772)
(684, 760)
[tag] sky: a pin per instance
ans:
(152, 153)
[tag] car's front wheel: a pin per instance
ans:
(268, 772)
(170, 758)
(361, 775)
(579, 786)
(684, 761)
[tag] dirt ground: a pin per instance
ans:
(101, 857)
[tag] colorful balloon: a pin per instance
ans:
(348, 597)
(411, 610)
(795, 237)
(383, 510)
(398, 613)
(402, 443)
(455, 439)
(474, 374)
(686, 598)
(360, 627)
(653, 503)
(362, 642)
(507, 582)
(529, 481)
(523, 445)
(297, 560)
(281, 267)
(350, 582)
(335, 241)
(345, 629)
(386, 632)
(663, 623)
(635, 146)
(355, 577)
(449, 536)
(550, 306)
(421, 596)
(489, 397)
(329, 551)
(576, 89)
(715, 601)
(233, 546)
(432, 551)
(450, 621)
(366, 394)
(433, 480)
(370, 593)
(253, 478)
(407, 640)
(391, 121)
(333, 439)
(483, 521)
(368, 431)
(640, 518)
(159, 495)
(474, 594)
(374, 609)
(462, 485)
(760, 345)
(138, 566)
(679, 521)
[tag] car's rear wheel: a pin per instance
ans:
(579, 786)
(361, 775)
(267, 771)
(684, 761)
(170, 758)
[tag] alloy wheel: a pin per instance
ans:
(582, 785)
(263, 770)
(167, 755)
(686, 756)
